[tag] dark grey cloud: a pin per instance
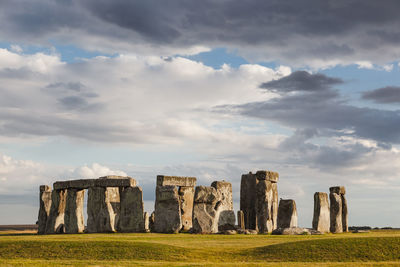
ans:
(302, 81)
(323, 110)
(288, 31)
(74, 86)
(385, 95)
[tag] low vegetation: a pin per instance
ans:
(366, 249)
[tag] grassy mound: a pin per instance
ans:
(330, 250)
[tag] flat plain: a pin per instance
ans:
(380, 247)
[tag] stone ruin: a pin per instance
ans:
(115, 204)
(259, 200)
(174, 204)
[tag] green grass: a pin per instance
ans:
(367, 249)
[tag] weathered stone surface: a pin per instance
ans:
(291, 231)
(229, 232)
(240, 218)
(345, 220)
(186, 197)
(225, 192)
(264, 196)
(55, 220)
(287, 213)
(336, 213)
(248, 199)
(167, 216)
(226, 220)
(106, 181)
(73, 218)
(321, 219)
(44, 208)
(206, 210)
(163, 180)
(131, 218)
(268, 176)
(260, 209)
(146, 222)
(340, 190)
(103, 209)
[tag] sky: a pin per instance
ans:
(211, 89)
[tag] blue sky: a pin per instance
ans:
(212, 90)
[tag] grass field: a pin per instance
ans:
(366, 249)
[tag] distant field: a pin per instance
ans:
(366, 249)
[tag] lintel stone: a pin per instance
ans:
(163, 180)
(101, 182)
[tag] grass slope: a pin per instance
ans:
(185, 249)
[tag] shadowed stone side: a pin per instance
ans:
(103, 209)
(275, 205)
(321, 220)
(73, 218)
(131, 217)
(248, 199)
(287, 214)
(167, 211)
(186, 196)
(44, 208)
(345, 220)
(264, 206)
(336, 213)
(206, 210)
(55, 221)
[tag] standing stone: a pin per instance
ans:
(275, 205)
(226, 220)
(73, 218)
(146, 222)
(248, 199)
(206, 210)
(44, 208)
(131, 217)
(186, 196)
(151, 222)
(103, 209)
(264, 196)
(260, 208)
(287, 213)
(167, 216)
(321, 220)
(240, 218)
(55, 221)
(336, 213)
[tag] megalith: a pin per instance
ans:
(186, 196)
(185, 189)
(342, 212)
(55, 220)
(167, 210)
(321, 219)
(240, 218)
(263, 206)
(226, 219)
(206, 210)
(44, 208)
(259, 200)
(131, 218)
(73, 217)
(287, 213)
(146, 222)
(336, 213)
(103, 209)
